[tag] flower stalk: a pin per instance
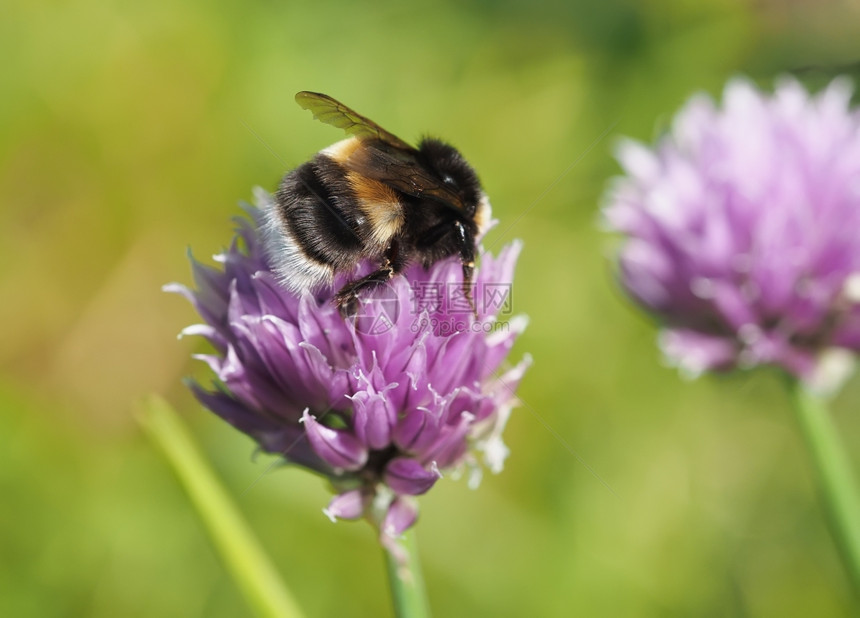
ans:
(740, 238)
(249, 565)
(833, 475)
(404, 576)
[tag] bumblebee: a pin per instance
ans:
(372, 197)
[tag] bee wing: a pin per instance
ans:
(335, 113)
(403, 172)
(387, 158)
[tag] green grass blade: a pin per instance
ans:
(833, 475)
(247, 562)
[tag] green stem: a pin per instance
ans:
(240, 550)
(407, 584)
(833, 475)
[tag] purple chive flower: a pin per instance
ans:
(382, 404)
(743, 229)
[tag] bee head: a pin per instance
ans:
(449, 166)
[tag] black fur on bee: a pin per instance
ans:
(372, 196)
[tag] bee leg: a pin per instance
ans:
(467, 259)
(468, 271)
(347, 298)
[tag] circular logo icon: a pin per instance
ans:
(377, 310)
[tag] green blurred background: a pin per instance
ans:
(129, 131)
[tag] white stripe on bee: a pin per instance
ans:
(483, 214)
(295, 270)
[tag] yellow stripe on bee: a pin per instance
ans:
(342, 150)
(379, 203)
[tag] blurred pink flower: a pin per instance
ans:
(742, 228)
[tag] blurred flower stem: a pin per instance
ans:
(249, 565)
(833, 475)
(407, 583)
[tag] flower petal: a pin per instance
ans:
(337, 447)
(407, 476)
(348, 505)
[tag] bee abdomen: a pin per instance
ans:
(313, 225)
